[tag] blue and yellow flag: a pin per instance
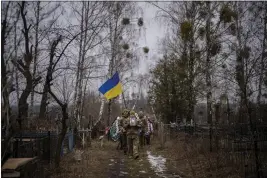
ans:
(112, 87)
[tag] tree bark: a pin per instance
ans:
(4, 79)
(35, 54)
(263, 58)
(63, 132)
(44, 100)
(240, 76)
(48, 79)
(64, 107)
(208, 74)
(79, 70)
(113, 40)
(24, 68)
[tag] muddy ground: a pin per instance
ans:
(175, 159)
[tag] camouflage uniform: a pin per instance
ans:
(132, 125)
(142, 132)
(125, 115)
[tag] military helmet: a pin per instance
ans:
(132, 112)
(125, 113)
(141, 114)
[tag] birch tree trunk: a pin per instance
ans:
(79, 68)
(208, 74)
(240, 69)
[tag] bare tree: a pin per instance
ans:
(24, 66)
(35, 51)
(55, 56)
(263, 58)
(5, 85)
(9, 21)
(121, 32)
(92, 13)
(41, 17)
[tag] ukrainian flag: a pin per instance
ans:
(112, 87)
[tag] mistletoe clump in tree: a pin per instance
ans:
(146, 50)
(186, 29)
(122, 36)
(125, 21)
(227, 15)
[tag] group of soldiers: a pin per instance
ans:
(135, 130)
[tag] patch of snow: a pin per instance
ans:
(124, 173)
(158, 165)
(78, 155)
(157, 162)
(110, 164)
(112, 160)
(142, 172)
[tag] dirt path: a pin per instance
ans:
(176, 159)
(107, 162)
(117, 167)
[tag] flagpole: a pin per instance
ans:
(123, 98)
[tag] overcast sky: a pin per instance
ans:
(151, 34)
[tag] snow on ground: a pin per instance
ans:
(158, 165)
(157, 162)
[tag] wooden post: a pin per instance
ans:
(16, 148)
(90, 138)
(109, 116)
(48, 145)
(90, 132)
(161, 134)
(217, 118)
(83, 140)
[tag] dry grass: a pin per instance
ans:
(193, 159)
(104, 162)
(187, 159)
(94, 163)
